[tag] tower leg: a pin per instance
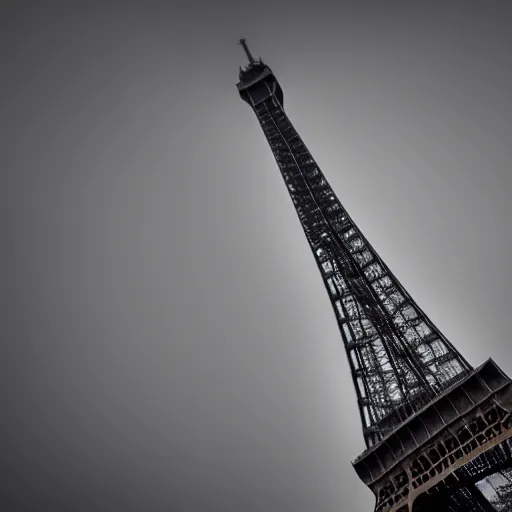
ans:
(480, 499)
(467, 499)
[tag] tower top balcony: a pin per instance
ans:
(257, 81)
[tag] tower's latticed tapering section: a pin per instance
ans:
(398, 358)
(414, 389)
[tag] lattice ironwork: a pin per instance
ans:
(418, 397)
(398, 358)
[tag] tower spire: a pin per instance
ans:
(247, 51)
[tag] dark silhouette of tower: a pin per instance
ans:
(433, 425)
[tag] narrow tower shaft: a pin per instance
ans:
(398, 358)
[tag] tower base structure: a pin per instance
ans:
(433, 460)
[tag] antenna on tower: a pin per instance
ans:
(246, 49)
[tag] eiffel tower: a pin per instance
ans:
(433, 425)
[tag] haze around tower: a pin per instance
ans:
(167, 341)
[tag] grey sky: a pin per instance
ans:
(167, 341)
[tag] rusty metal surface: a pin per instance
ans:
(397, 479)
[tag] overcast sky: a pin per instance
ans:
(167, 343)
